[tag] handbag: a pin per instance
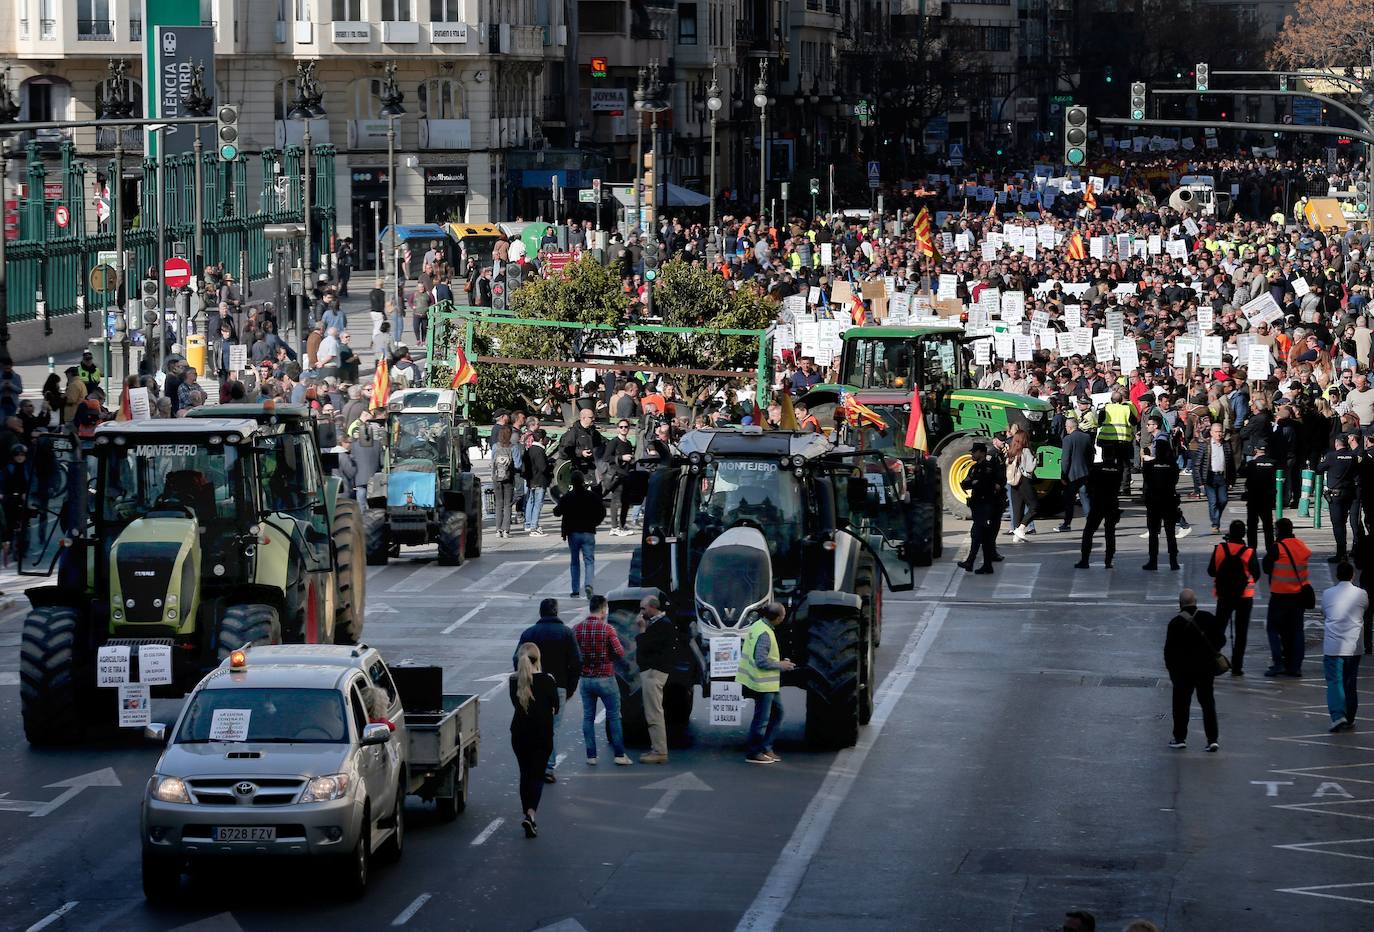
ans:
(1309, 595)
(1220, 664)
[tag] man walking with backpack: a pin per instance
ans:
(582, 510)
(1234, 567)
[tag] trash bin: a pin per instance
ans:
(195, 352)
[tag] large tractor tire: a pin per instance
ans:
(924, 531)
(472, 501)
(452, 538)
(48, 677)
(376, 540)
(955, 463)
(834, 695)
(246, 626)
(349, 573)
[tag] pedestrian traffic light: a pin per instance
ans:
(1075, 136)
(1202, 76)
(1138, 100)
(1283, 82)
(227, 131)
(498, 294)
(815, 186)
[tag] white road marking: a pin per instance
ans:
(1163, 585)
(559, 759)
(1090, 583)
(409, 912)
(1312, 891)
(557, 587)
(672, 788)
(1016, 581)
(53, 916)
(431, 577)
(787, 873)
(464, 620)
(1311, 847)
(374, 570)
(488, 831)
(504, 575)
(494, 691)
(938, 578)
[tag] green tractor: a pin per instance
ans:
(202, 535)
(745, 516)
(885, 364)
(426, 491)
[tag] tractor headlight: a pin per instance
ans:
(118, 614)
(157, 603)
(215, 439)
(171, 614)
(168, 789)
(323, 789)
(128, 603)
(1034, 415)
(798, 461)
(218, 569)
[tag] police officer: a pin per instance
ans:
(1115, 432)
(1341, 467)
(1104, 508)
(1161, 506)
(1261, 488)
(986, 485)
(1367, 484)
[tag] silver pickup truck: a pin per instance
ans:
(300, 750)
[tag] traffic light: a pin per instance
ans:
(1202, 76)
(1075, 136)
(1138, 100)
(650, 257)
(150, 296)
(227, 131)
(1283, 82)
(815, 186)
(1362, 197)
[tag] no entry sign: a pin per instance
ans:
(177, 272)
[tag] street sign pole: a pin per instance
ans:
(161, 191)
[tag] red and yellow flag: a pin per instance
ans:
(925, 239)
(1077, 250)
(916, 425)
(859, 414)
(381, 384)
(857, 312)
(1089, 199)
(463, 372)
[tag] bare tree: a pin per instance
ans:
(1335, 35)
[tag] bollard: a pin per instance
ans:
(1305, 499)
(1317, 502)
(1278, 503)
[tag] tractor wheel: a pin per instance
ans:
(247, 625)
(868, 585)
(452, 538)
(636, 567)
(955, 463)
(375, 536)
(834, 656)
(349, 573)
(472, 548)
(923, 536)
(48, 677)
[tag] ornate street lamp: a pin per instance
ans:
(713, 104)
(392, 106)
(305, 108)
(761, 101)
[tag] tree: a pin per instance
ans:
(689, 296)
(1334, 35)
(586, 292)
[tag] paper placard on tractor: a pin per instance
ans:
(727, 702)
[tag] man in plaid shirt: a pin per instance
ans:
(600, 648)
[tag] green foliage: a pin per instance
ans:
(687, 296)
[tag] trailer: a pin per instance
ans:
(443, 746)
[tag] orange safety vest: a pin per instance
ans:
(1222, 552)
(1284, 579)
(810, 423)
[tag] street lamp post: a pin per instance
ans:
(713, 103)
(392, 107)
(639, 149)
(761, 101)
(306, 107)
(9, 111)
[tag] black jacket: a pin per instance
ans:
(578, 438)
(558, 653)
(615, 450)
(582, 511)
(1191, 645)
(1161, 484)
(1076, 455)
(1205, 465)
(656, 647)
(1261, 482)
(1104, 491)
(535, 466)
(536, 723)
(986, 483)
(1341, 469)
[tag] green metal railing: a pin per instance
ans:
(54, 263)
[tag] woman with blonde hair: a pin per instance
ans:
(1020, 482)
(534, 694)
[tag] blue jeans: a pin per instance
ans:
(1342, 674)
(582, 552)
(534, 503)
(557, 717)
(767, 721)
(607, 690)
(1216, 499)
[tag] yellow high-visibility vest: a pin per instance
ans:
(750, 674)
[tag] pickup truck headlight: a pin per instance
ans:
(168, 789)
(323, 789)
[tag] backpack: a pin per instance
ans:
(502, 465)
(1232, 577)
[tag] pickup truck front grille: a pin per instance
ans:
(246, 792)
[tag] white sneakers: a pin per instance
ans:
(1019, 534)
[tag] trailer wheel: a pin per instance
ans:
(448, 807)
(452, 538)
(833, 696)
(350, 576)
(48, 688)
(247, 626)
(375, 536)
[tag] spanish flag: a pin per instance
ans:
(916, 425)
(925, 240)
(1089, 199)
(381, 384)
(1076, 249)
(463, 372)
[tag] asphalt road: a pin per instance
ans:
(1016, 768)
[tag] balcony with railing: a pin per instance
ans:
(107, 136)
(95, 30)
